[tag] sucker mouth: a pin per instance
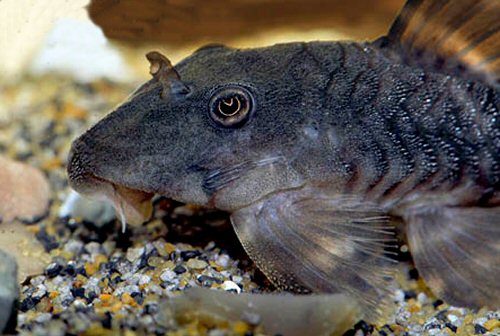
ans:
(132, 205)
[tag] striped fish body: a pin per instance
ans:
(396, 134)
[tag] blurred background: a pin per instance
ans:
(108, 38)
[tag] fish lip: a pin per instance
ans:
(134, 206)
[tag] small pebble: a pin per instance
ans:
(133, 254)
(231, 287)
(479, 329)
(179, 269)
(168, 275)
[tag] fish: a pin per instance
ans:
(322, 151)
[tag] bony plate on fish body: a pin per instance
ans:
(319, 149)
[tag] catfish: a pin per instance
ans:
(320, 151)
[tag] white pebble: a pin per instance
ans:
(223, 260)
(145, 279)
(229, 285)
(42, 318)
(399, 296)
(452, 318)
(481, 321)
(237, 279)
(73, 246)
(422, 298)
(167, 275)
(134, 253)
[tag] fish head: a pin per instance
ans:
(212, 131)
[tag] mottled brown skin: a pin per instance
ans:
(342, 138)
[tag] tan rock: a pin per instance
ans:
(24, 192)
(18, 240)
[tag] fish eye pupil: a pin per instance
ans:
(231, 106)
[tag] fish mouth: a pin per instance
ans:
(134, 206)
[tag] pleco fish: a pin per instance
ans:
(319, 150)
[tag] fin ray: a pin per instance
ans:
(301, 248)
(457, 251)
(456, 33)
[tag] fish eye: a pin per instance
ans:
(231, 106)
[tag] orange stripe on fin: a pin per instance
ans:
(456, 33)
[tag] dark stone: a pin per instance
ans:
(410, 294)
(207, 281)
(53, 270)
(28, 304)
(365, 327)
(186, 255)
(116, 280)
(78, 292)
(479, 329)
(48, 242)
(138, 297)
(437, 303)
(179, 269)
(82, 271)
(442, 315)
(451, 326)
(91, 296)
(106, 322)
(413, 274)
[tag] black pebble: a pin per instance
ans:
(53, 270)
(28, 304)
(179, 269)
(441, 315)
(138, 297)
(479, 329)
(186, 255)
(207, 281)
(365, 327)
(410, 294)
(413, 274)
(106, 321)
(49, 243)
(70, 270)
(91, 296)
(78, 292)
(437, 303)
(451, 326)
(116, 280)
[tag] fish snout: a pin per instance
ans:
(79, 168)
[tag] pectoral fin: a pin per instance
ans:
(457, 251)
(311, 240)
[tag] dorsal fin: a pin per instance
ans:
(449, 35)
